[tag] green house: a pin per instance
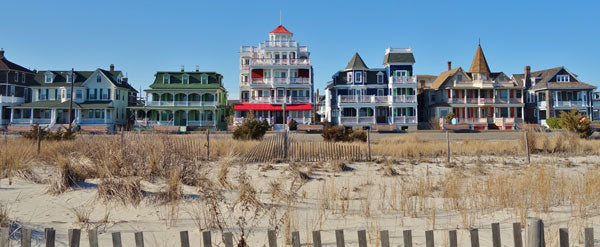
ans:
(185, 99)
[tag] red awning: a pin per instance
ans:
(269, 107)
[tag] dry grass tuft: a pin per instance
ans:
(123, 190)
(388, 169)
(82, 213)
(4, 219)
(339, 166)
(65, 178)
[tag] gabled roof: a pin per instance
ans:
(195, 80)
(356, 63)
(545, 80)
(398, 58)
(8, 65)
(479, 64)
(439, 81)
(280, 29)
(60, 78)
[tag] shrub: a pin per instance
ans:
(576, 122)
(449, 117)
(341, 134)
(62, 133)
(251, 129)
(553, 123)
(293, 125)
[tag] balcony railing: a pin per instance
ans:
(282, 43)
(485, 101)
(280, 61)
(403, 79)
(11, 99)
(570, 104)
(377, 99)
(181, 103)
(281, 80)
(280, 100)
(91, 120)
(405, 120)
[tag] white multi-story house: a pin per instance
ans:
(100, 99)
(14, 87)
(275, 77)
(360, 96)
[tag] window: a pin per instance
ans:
(474, 76)
(401, 73)
(23, 78)
(78, 94)
(118, 94)
(165, 79)
(62, 94)
(119, 79)
(380, 78)
(379, 92)
(541, 96)
(358, 77)
(93, 94)
(98, 78)
(16, 77)
(109, 95)
(12, 90)
(48, 78)
(68, 93)
(204, 79)
(563, 78)
(459, 78)
(185, 79)
(349, 77)
(69, 77)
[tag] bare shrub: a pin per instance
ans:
(123, 190)
(339, 166)
(65, 178)
(82, 213)
(4, 219)
(388, 169)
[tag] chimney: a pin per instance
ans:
(34, 71)
(449, 65)
(182, 68)
(197, 68)
(527, 76)
(1, 53)
(112, 67)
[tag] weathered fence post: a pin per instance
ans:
(207, 143)
(496, 235)
(272, 238)
(285, 145)
(407, 235)
(139, 239)
(228, 239)
(50, 235)
(452, 238)
(207, 242)
(447, 147)
(527, 147)
(339, 238)
(316, 235)
(589, 237)
(116, 239)
(429, 238)
(563, 237)
(4, 237)
(535, 233)
(517, 234)
(369, 144)
(384, 236)
(93, 237)
(184, 238)
(74, 236)
(39, 138)
(474, 237)
(362, 238)
(26, 237)
(295, 239)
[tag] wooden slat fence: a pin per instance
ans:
(534, 237)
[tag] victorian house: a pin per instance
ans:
(188, 99)
(276, 80)
(100, 99)
(553, 90)
(14, 87)
(478, 97)
(365, 97)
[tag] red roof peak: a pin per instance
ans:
(280, 29)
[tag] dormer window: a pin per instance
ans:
(563, 78)
(204, 79)
(119, 79)
(166, 79)
(379, 77)
(98, 78)
(349, 77)
(358, 77)
(186, 79)
(459, 78)
(48, 77)
(69, 77)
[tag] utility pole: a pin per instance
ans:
(71, 97)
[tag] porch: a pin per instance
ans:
(165, 117)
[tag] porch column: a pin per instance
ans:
(271, 76)
(172, 120)
(289, 76)
(12, 114)
(509, 110)
(556, 98)
(187, 118)
(78, 115)
(479, 96)
(105, 115)
(523, 112)
(53, 116)
(357, 114)
(187, 100)
(494, 97)
(479, 112)
(451, 95)
(373, 109)
(391, 114)
(31, 116)
(214, 115)
(465, 95)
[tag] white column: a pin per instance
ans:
(451, 95)
(556, 98)
(105, 115)
(465, 95)
(374, 115)
(187, 100)
(494, 97)
(214, 117)
(289, 76)
(31, 116)
(12, 114)
(77, 115)
(479, 95)
(272, 76)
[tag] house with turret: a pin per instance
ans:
(15, 81)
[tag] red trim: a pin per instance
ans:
(269, 107)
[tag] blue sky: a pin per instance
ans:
(142, 37)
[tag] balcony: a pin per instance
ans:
(403, 79)
(181, 103)
(405, 120)
(377, 99)
(279, 62)
(280, 100)
(482, 101)
(11, 100)
(569, 104)
(278, 44)
(247, 49)
(91, 120)
(281, 81)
